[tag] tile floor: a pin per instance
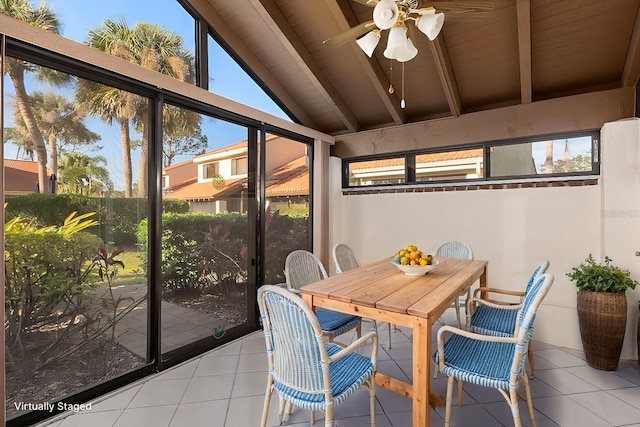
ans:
(225, 388)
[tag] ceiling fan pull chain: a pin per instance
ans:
(391, 89)
(402, 102)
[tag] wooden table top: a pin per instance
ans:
(383, 286)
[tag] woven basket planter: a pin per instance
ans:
(602, 317)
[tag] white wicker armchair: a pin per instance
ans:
(346, 259)
(304, 369)
(457, 250)
(492, 361)
(498, 316)
(302, 268)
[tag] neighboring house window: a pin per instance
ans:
(534, 157)
(239, 166)
(377, 172)
(211, 170)
(165, 181)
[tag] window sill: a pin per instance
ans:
(484, 185)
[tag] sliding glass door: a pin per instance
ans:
(208, 246)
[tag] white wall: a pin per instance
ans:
(514, 229)
(621, 210)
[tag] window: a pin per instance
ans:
(544, 156)
(239, 166)
(210, 170)
(377, 172)
(448, 165)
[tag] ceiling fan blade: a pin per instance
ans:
(351, 34)
(370, 3)
(457, 7)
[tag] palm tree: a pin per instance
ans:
(152, 47)
(112, 105)
(42, 17)
(79, 171)
(60, 122)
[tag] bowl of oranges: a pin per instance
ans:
(413, 262)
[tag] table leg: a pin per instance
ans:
(421, 353)
(308, 299)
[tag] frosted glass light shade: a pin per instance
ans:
(431, 25)
(385, 14)
(395, 42)
(408, 52)
(369, 41)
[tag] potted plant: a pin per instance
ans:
(602, 310)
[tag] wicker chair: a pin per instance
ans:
(304, 369)
(498, 317)
(490, 361)
(457, 250)
(346, 259)
(302, 268)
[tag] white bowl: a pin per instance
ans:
(416, 270)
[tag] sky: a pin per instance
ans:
(577, 146)
(226, 77)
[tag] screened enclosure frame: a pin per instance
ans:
(256, 131)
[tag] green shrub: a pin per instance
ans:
(201, 250)
(118, 218)
(193, 254)
(44, 271)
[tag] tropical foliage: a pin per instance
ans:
(45, 18)
(47, 122)
(61, 123)
(44, 271)
(81, 174)
(152, 47)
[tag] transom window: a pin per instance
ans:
(542, 156)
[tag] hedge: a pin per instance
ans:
(201, 250)
(118, 217)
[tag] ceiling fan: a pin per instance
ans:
(396, 15)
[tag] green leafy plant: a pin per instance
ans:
(44, 272)
(601, 276)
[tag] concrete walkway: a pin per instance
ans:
(180, 325)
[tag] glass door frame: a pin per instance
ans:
(158, 96)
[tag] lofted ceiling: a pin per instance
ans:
(524, 51)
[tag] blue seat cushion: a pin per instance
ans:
(493, 321)
(332, 320)
(347, 375)
(492, 369)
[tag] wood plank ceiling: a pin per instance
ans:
(526, 50)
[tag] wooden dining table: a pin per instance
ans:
(382, 292)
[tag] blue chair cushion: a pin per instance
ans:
(493, 321)
(332, 320)
(462, 361)
(347, 375)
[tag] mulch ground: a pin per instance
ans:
(99, 360)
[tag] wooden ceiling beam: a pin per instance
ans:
(273, 17)
(631, 70)
(372, 70)
(447, 77)
(523, 9)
